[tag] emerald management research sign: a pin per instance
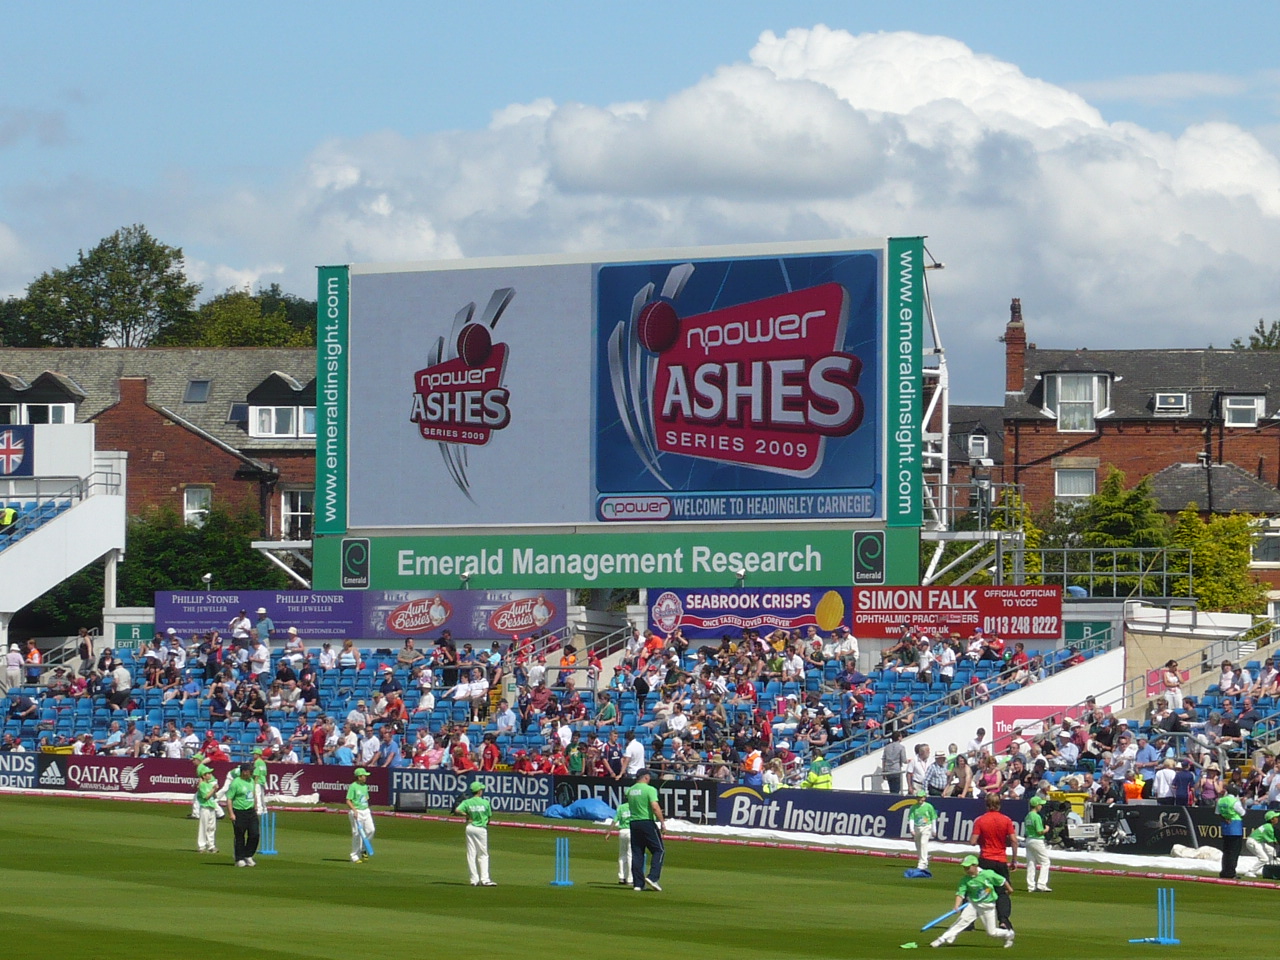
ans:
(780, 558)
(734, 384)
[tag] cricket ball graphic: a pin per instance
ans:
(475, 344)
(657, 326)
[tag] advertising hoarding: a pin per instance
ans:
(369, 615)
(736, 384)
(708, 614)
(1018, 612)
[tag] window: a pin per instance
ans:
(1242, 411)
(297, 509)
(195, 505)
(9, 413)
(1266, 544)
(197, 392)
(1076, 399)
(49, 413)
(978, 446)
(239, 413)
(1171, 403)
(1074, 484)
(282, 421)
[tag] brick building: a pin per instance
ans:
(1204, 423)
(201, 427)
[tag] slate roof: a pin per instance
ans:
(1234, 488)
(966, 419)
(233, 373)
(1138, 375)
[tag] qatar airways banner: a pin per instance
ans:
(135, 775)
(709, 614)
(368, 614)
(1016, 613)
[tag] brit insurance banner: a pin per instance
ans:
(1018, 613)
(136, 775)
(710, 613)
(369, 614)
(845, 813)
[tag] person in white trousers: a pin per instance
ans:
(1037, 848)
(207, 829)
(477, 809)
(977, 895)
(622, 823)
(922, 821)
(362, 827)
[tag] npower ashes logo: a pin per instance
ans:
(759, 384)
(460, 399)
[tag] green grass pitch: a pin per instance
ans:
(93, 879)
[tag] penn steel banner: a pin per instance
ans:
(692, 800)
(1019, 612)
(710, 613)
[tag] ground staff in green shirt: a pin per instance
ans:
(259, 781)
(1037, 848)
(922, 821)
(1262, 842)
(622, 823)
(477, 810)
(206, 810)
(361, 819)
(819, 775)
(977, 894)
(243, 810)
(647, 822)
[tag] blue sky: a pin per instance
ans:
(264, 138)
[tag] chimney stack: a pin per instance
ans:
(1015, 349)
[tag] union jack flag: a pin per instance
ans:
(15, 445)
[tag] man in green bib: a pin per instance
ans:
(478, 810)
(819, 775)
(922, 821)
(647, 822)
(1037, 848)
(977, 895)
(361, 819)
(243, 810)
(207, 806)
(1231, 810)
(1262, 842)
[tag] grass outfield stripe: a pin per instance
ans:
(130, 873)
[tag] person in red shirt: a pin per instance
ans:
(559, 766)
(522, 764)
(462, 760)
(317, 743)
(490, 754)
(992, 833)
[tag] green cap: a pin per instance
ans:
(202, 770)
(1036, 802)
(197, 758)
(477, 786)
(922, 793)
(361, 772)
(969, 861)
(1271, 815)
(257, 751)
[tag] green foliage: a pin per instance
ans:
(1221, 550)
(237, 318)
(163, 553)
(1262, 338)
(125, 292)
(1013, 513)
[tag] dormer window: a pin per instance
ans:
(1076, 400)
(1171, 403)
(267, 422)
(1242, 411)
(978, 446)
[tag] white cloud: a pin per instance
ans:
(1112, 235)
(1163, 87)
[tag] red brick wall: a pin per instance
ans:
(164, 458)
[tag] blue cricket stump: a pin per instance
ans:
(364, 839)
(267, 834)
(562, 863)
(1166, 919)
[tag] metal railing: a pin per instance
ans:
(1117, 573)
(974, 506)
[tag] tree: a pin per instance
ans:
(125, 292)
(163, 554)
(1221, 551)
(237, 318)
(1262, 338)
(1117, 521)
(1013, 513)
